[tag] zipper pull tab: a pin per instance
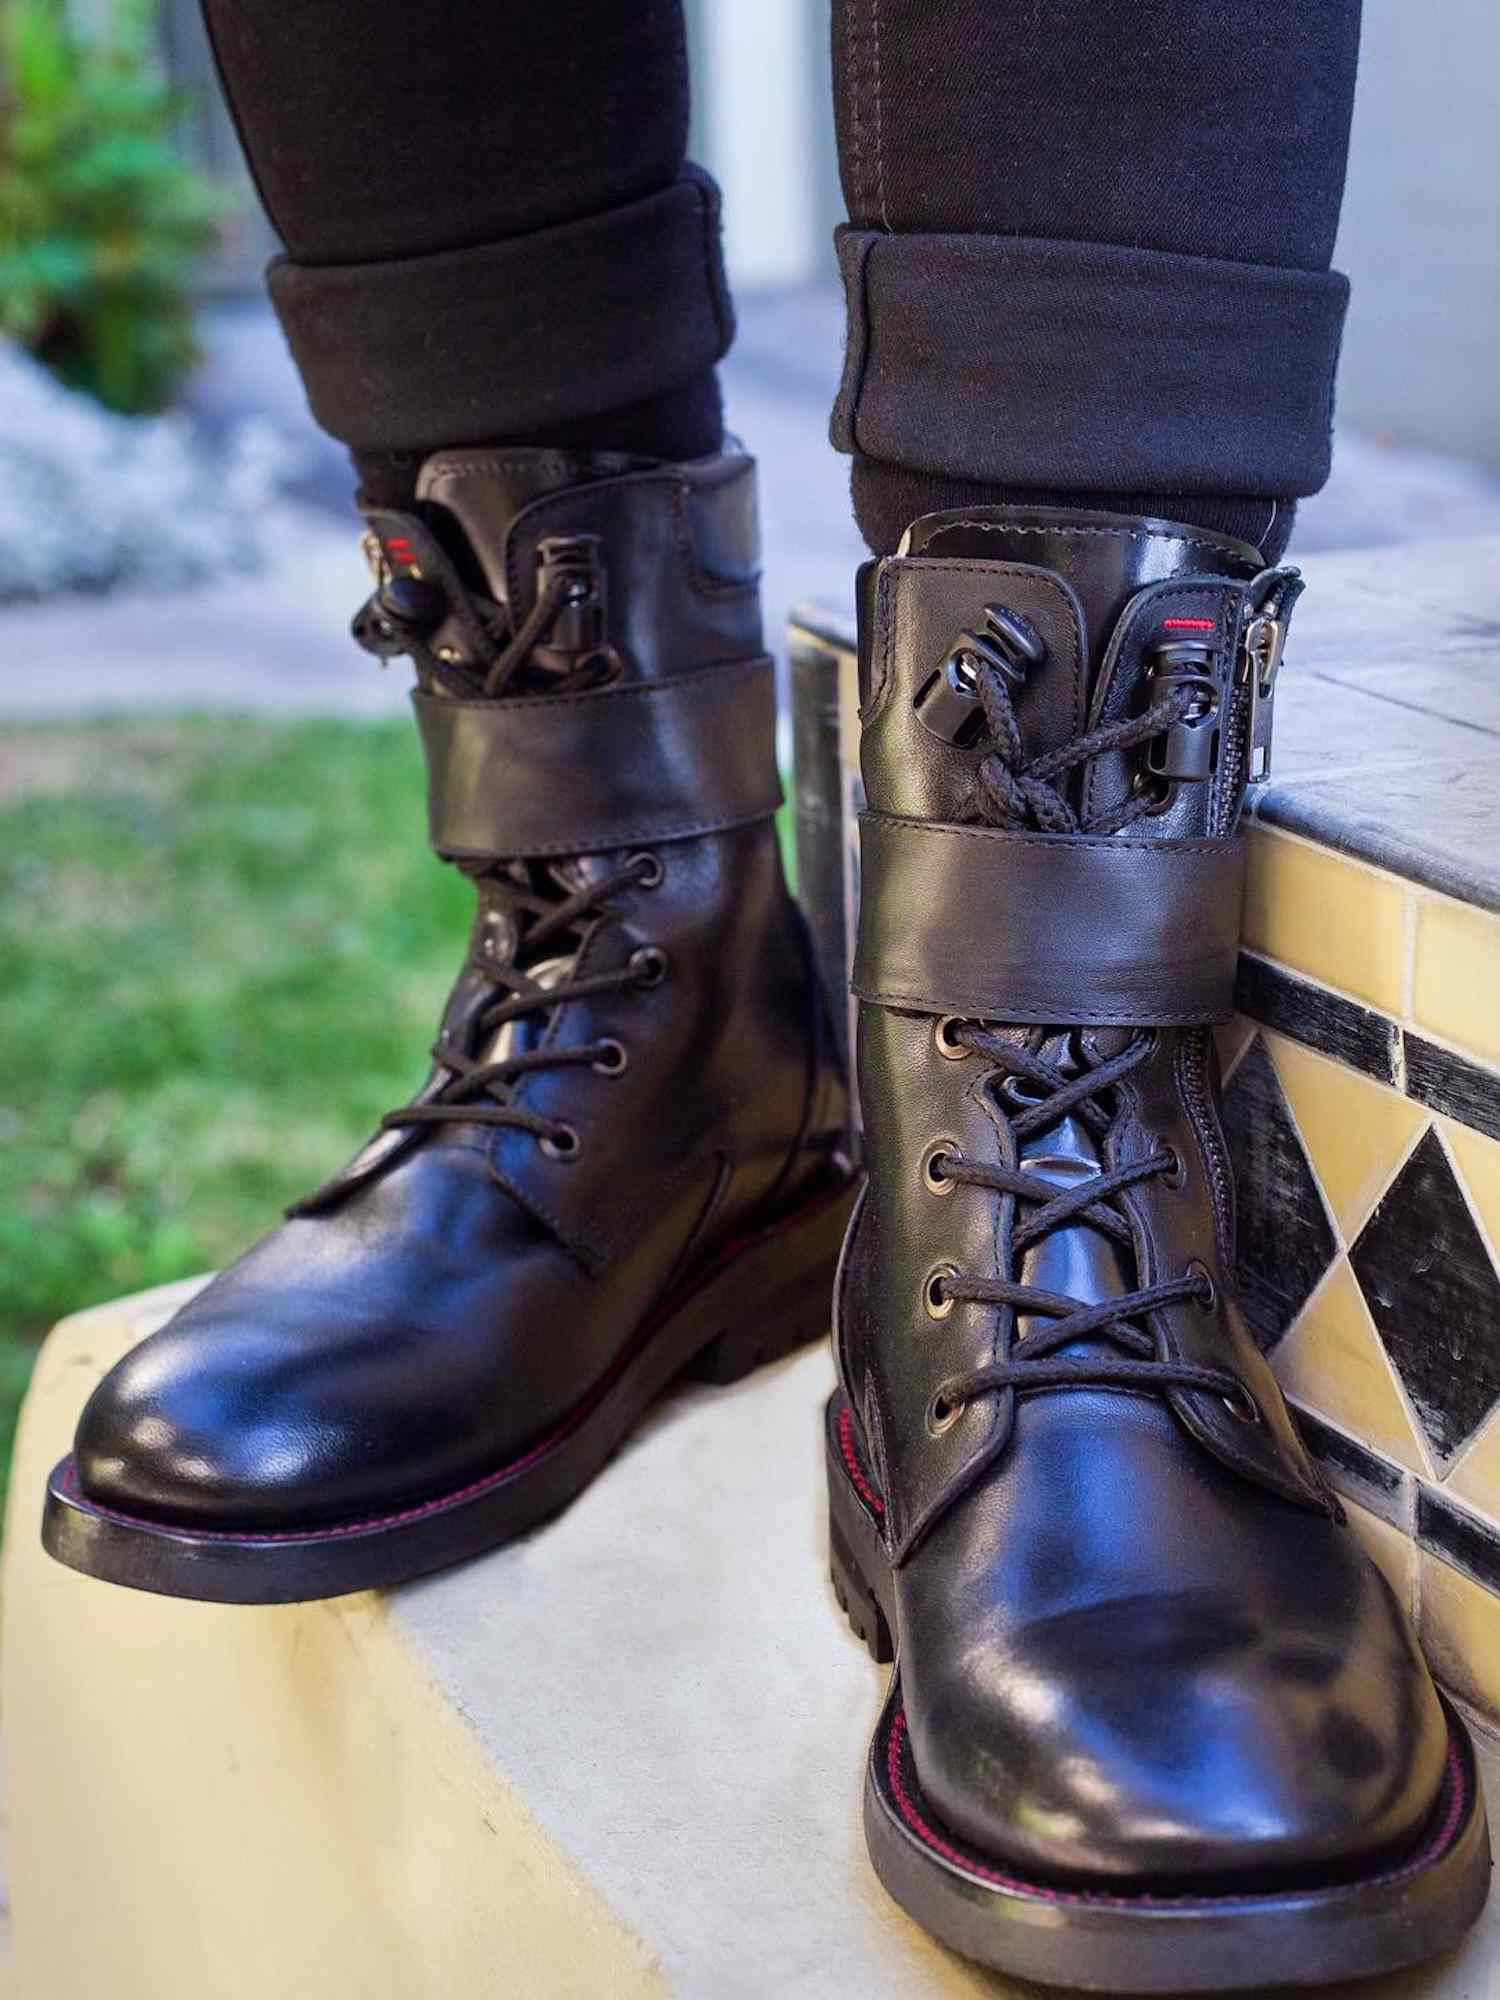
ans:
(1265, 641)
(1262, 647)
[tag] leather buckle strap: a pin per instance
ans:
(580, 774)
(1104, 930)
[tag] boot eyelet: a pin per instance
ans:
(933, 1177)
(935, 1297)
(1174, 1176)
(942, 1034)
(562, 1144)
(942, 1415)
(613, 1058)
(1157, 793)
(649, 871)
(1208, 1291)
(648, 965)
(1243, 1407)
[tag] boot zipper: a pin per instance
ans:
(1204, 1117)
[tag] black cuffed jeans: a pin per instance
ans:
(1087, 254)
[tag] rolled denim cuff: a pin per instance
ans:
(1085, 367)
(462, 347)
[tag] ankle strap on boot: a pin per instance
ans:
(1043, 928)
(648, 762)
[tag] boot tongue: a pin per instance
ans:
(470, 499)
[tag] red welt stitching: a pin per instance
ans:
(924, 1832)
(861, 1485)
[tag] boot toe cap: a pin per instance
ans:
(186, 1434)
(1274, 1763)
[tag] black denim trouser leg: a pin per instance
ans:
(491, 232)
(1087, 254)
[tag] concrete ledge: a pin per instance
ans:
(620, 1759)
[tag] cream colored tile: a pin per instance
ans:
(1390, 1550)
(1476, 1476)
(1332, 1360)
(1478, 1161)
(1333, 919)
(1457, 974)
(1232, 1038)
(1356, 1130)
(1459, 1622)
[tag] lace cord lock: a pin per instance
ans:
(1187, 752)
(572, 567)
(948, 704)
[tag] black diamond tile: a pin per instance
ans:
(1286, 1241)
(1435, 1297)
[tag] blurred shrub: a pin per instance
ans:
(101, 220)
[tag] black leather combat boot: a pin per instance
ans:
(627, 1158)
(1157, 1724)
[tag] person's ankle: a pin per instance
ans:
(887, 498)
(683, 423)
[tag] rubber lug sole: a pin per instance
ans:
(1100, 1941)
(765, 1298)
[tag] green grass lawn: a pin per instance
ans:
(223, 949)
(224, 946)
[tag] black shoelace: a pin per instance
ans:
(538, 907)
(478, 1092)
(1036, 1090)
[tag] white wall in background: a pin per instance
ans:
(759, 115)
(1421, 228)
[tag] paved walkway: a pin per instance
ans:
(277, 641)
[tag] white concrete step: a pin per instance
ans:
(620, 1759)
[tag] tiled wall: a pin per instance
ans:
(1362, 1102)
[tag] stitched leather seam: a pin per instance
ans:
(612, 837)
(1115, 1017)
(884, 623)
(481, 467)
(857, 1478)
(1102, 843)
(1078, 529)
(704, 584)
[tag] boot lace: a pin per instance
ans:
(1043, 1077)
(542, 906)
(477, 1091)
